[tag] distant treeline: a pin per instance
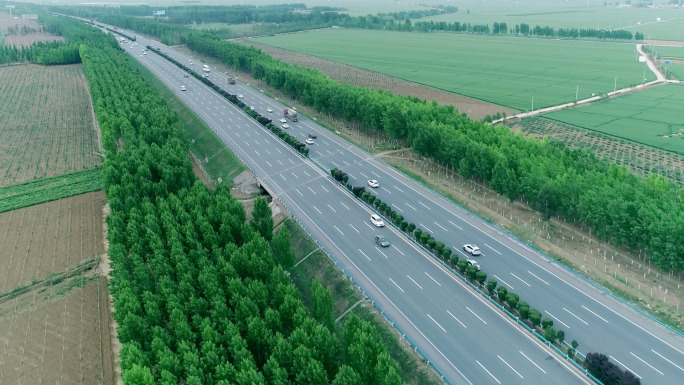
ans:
(525, 30)
(283, 18)
(247, 14)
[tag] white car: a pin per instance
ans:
(285, 125)
(241, 96)
(182, 88)
(309, 141)
(472, 250)
(251, 108)
(373, 183)
(377, 221)
(269, 110)
(473, 262)
(282, 120)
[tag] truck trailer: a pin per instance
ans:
(290, 114)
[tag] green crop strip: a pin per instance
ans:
(50, 189)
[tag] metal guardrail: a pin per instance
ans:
(514, 238)
(269, 189)
(319, 164)
(473, 286)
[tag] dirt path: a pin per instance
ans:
(111, 345)
(660, 80)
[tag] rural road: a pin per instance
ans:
(660, 79)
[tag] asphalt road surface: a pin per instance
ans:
(466, 338)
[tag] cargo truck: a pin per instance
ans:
(290, 114)
(231, 81)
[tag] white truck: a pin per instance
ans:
(290, 114)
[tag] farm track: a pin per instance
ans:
(48, 127)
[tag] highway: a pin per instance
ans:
(463, 335)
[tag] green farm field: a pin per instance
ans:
(49, 189)
(668, 52)
(673, 60)
(508, 71)
(47, 126)
(651, 117)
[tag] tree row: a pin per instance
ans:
(201, 294)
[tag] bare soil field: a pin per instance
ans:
(22, 33)
(57, 334)
(343, 73)
(48, 126)
(639, 159)
(51, 238)
(20, 41)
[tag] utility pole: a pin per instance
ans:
(615, 85)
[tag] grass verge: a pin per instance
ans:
(317, 265)
(217, 159)
(50, 189)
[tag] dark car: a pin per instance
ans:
(382, 241)
(312, 136)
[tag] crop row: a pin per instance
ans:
(48, 126)
(640, 159)
(651, 117)
(49, 189)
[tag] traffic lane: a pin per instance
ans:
(449, 318)
(548, 312)
(281, 175)
(172, 77)
(584, 318)
(540, 276)
(362, 260)
(404, 280)
(537, 275)
(318, 200)
(461, 312)
(590, 312)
